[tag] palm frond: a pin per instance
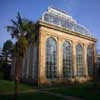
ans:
(20, 22)
(24, 31)
(14, 23)
(10, 28)
(15, 33)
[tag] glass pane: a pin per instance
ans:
(67, 60)
(90, 61)
(51, 60)
(79, 60)
(54, 18)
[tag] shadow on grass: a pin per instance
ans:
(88, 91)
(31, 96)
(7, 86)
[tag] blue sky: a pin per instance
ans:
(86, 12)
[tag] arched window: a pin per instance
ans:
(51, 58)
(79, 60)
(67, 60)
(30, 62)
(90, 60)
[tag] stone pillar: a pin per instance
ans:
(42, 58)
(59, 58)
(85, 60)
(74, 58)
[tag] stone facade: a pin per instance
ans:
(60, 35)
(61, 27)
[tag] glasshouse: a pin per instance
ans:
(64, 51)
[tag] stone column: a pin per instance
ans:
(85, 60)
(59, 58)
(74, 58)
(42, 58)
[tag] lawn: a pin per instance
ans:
(8, 86)
(87, 92)
(31, 96)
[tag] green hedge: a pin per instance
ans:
(1, 71)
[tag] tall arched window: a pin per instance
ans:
(90, 60)
(30, 62)
(67, 60)
(79, 60)
(51, 58)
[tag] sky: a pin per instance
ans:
(86, 12)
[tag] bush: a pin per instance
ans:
(1, 71)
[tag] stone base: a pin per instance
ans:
(65, 82)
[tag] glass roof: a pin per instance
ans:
(60, 18)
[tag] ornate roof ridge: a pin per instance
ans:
(61, 18)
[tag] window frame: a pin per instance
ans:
(67, 61)
(79, 61)
(51, 73)
(88, 60)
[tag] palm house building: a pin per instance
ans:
(63, 51)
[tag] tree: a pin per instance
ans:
(23, 31)
(7, 53)
(7, 48)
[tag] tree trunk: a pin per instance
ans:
(18, 74)
(16, 89)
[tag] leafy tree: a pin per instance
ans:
(7, 48)
(6, 53)
(23, 31)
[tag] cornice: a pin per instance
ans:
(66, 31)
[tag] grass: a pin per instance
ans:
(88, 92)
(31, 96)
(8, 86)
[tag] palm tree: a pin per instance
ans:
(21, 30)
